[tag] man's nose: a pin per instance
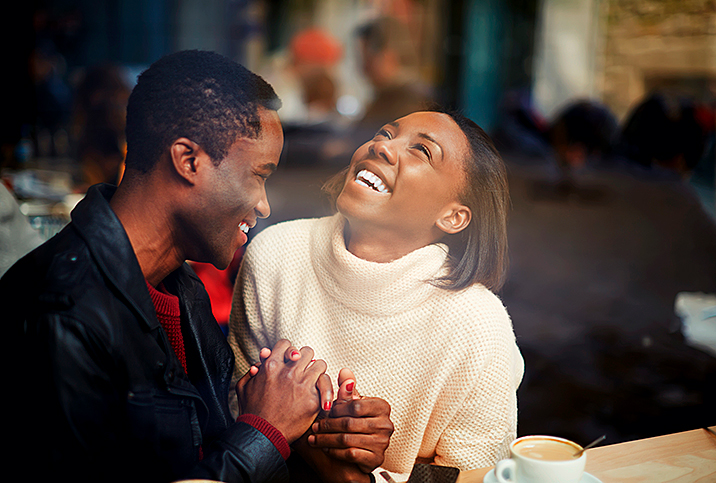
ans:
(263, 209)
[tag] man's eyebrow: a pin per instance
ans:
(269, 167)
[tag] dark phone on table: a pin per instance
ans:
(423, 473)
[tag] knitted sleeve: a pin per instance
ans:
(485, 424)
(245, 341)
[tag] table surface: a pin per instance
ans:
(674, 458)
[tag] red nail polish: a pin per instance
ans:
(295, 353)
(327, 406)
(349, 387)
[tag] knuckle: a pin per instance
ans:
(351, 425)
(357, 407)
(353, 454)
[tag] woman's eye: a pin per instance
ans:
(383, 133)
(423, 149)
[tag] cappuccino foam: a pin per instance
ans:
(546, 449)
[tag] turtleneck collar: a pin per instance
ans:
(378, 289)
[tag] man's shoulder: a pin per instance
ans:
(59, 277)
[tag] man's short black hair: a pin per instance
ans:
(200, 95)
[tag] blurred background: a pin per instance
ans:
(603, 110)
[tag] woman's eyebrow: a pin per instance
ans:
(427, 137)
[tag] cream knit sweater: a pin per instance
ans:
(447, 362)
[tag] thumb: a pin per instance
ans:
(240, 385)
(347, 386)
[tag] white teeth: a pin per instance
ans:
(244, 227)
(370, 180)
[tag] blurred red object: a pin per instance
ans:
(220, 286)
(314, 46)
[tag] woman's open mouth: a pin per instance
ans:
(371, 180)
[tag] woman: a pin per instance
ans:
(396, 285)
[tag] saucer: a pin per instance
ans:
(586, 478)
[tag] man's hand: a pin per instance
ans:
(285, 389)
(357, 429)
(324, 386)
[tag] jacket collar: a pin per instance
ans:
(109, 245)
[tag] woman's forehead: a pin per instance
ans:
(439, 126)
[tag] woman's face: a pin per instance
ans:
(407, 176)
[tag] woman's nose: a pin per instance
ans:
(385, 149)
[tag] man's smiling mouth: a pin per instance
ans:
(371, 180)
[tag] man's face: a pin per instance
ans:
(233, 195)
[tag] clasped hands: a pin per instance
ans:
(342, 439)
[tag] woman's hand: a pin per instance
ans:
(330, 470)
(357, 429)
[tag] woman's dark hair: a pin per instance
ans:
(478, 254)
(199, 95)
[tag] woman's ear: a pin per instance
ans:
(455, 219)
(186, 157)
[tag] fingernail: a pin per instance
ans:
(327, 406)
(295, 353)
(349, 387)
(311, 440)
(314, 428)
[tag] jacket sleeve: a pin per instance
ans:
(242, 454)
(76, 415)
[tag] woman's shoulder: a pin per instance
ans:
(478, 295)
(480, 309)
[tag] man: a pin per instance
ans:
(124, 372)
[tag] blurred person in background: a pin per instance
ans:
(313, 127)
(98, 124)
(122, 372)
(663, 135)
(390, 64)
(17, 237)
(404, 274)
(583, 133)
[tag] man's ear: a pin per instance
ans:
(455, 218)
(187, 157)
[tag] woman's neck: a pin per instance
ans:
(381, 245)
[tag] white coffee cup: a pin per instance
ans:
(541, 459)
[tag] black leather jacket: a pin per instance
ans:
(101, 394)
